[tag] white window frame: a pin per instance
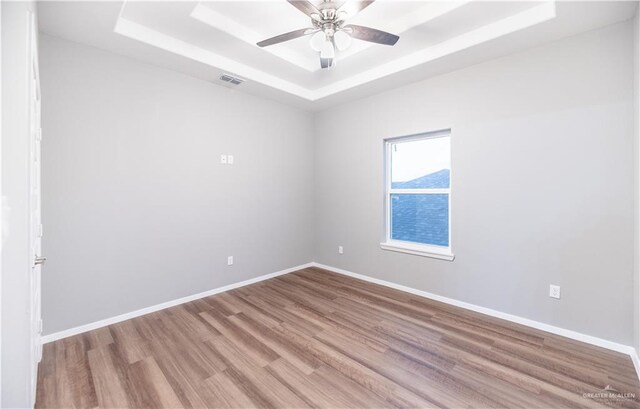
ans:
(426, 250)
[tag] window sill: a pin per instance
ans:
(418, 251)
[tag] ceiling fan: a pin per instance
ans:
(329, 31)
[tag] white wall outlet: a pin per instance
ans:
(230, 159)
(554, 291)
(230, 260)
(223, 159)
(340, 250)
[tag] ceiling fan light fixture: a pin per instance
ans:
(328, 30)
(317, 40)
(328, 51)
(342, 40)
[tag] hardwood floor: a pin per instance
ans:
(318, 339)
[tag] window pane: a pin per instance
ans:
(421, 164)
(420, 218)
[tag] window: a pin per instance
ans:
(418, 195)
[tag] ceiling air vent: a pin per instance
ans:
(230, 79)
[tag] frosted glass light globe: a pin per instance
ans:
(327, 50)
(342, 40)
(317, 40)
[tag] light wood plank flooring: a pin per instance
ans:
(318, 339)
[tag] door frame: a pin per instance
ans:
(35, 199)
(1, 206)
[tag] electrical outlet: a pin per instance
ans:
(230, 260)
(340, 250)
(223, 159)
(230, 159)
(554, 291)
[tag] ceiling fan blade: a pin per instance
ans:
(286, 37)
(353, 7)
(304, 6)
(371, 34)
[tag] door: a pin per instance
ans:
(35, 235)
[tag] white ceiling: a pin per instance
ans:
(205, 39)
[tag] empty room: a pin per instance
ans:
(320, 204)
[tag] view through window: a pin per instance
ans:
(418, 190)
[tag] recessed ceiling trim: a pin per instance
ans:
(226, 24)
(223, 23)
(508, 25)
(527, 18)
(152, 37)
(421, 16)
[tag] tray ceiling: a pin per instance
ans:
(206, 39)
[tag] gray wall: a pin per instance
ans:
(16, 370)
(542, 183)
(138, 209)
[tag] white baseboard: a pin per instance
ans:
(614, 346)
(636, 361)
(127, 316)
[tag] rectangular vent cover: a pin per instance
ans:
(231, 79)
